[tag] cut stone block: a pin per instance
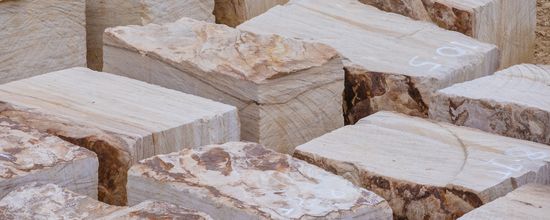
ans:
(104, 14)
(287, 91)
(528, 202)
(394, 63)
(246, 181)
(38, 37)
(513, 102)
(122, 120)
(425, 169)
(235, 12)
(53, 202)
(509, 24)
(27, 155)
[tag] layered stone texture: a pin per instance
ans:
(41, 36)
(122, 120)
(235, 12)
(27, 155)
(426, 169)
(102, 14)
(393, 63)
(528, 202)
(247, 181)
(287, 91)
(509, 24)
(513, 102)
(53, 202)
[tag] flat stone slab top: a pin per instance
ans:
(531, 202)
(426, 169)
(508, 24)
(104, 14)
(53, 202)
(514, 102)
(41, 36)
(27, 155)
(288, 91)
(122, 120)
(246, 181)
(394, 63)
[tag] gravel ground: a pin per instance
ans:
(542, 50)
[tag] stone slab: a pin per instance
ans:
(235, 12)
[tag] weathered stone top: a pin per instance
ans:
(524, 84)
(211, 48)
(51, 201)
(79, 102)
(420, 151)
(379, 41)
(258, 181)
(24, 150)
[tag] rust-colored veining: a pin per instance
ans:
(215, 159)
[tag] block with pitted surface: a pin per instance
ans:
(122, 120)
(427, 169)
(287, 91)
(240, 180)
(393, 63)
(28, 155)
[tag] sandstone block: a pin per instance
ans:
(38, 37)
(235, 12)
(528, 202)
(393, 63)
(104, 14)
(122, 120)
(287, 91)
(246, 181)
(27, 155)
(53, 202)
(509, 24)
(426, 169)
(513, 102)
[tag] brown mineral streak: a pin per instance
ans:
(113, 166)
(215, 159)
(396, 191)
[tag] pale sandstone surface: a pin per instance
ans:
(394, 63)
(50, 201)
(287, 91)
(41, 36)
(426, 169)
(27, 155)
(542, 48)
(102, 14)
(528, 202)
(509, 24)
(235, 12)
(120, 119)
(247, 181)
(513, 102)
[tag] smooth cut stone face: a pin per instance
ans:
(53, 202)
(120, 119)
(512, 102)
(428, 169)
(235, 12)
(246, 181)
(27, 155)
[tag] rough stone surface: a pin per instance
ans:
(513, 102)
(542, 49)
(122, 120)
(394, 63)
(235, 12)
(246, 181)
(287, 91)
(509, 24)
(426, 169)
(27, 155)
(50, 201)
(41, 36)
(528, 202)
(102, 14)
